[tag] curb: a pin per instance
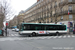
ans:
(1, 36)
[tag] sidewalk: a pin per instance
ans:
(1, 36)
(71, 33)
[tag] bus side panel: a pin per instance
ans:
(54, 32)
(27, 32)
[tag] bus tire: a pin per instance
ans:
(33, 34)
(30, 35)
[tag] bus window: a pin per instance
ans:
(56, 27)
(38, 27)
(26, 27)
(50, 27)
(32, 27)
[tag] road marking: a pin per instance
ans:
(9, 34)
(55, 37)
(15, 34)
(36, 38)
(73, 36)
(33, 38)
(28, 39)
(59, 36)
(68, 36)
(43, 37)
(2, 40)
(12, 35)
(50, 37)
(21, 39)
(64, 36)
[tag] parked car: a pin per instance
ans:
(16, 29)
(13, 29)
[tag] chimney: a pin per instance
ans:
(38, 0)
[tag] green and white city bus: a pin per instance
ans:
(33, 29)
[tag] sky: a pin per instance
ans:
(19, 5)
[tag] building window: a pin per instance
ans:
(69, 0)
(61, 9)
(70, 16)
(61, 0)
(51, 6)
(70, 7)
(47, 20)
(51, 19)
(61, 17)
(55, 3)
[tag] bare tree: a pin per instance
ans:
(8, 11)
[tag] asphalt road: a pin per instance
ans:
(17, 42)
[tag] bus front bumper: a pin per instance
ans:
(24, 33)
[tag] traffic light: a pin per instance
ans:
(6, 24)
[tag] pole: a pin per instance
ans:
(6, 27)
(6, 30)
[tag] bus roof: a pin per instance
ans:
(43, 23)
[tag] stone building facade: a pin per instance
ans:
(51, 11)
(48, 11)
(11, 23)
(16, 20)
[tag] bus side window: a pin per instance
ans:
(28, 27)
(35, 28)
(50, 28)
(24, 27)
(32, 27)
(38, 28)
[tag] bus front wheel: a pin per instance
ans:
(33, 34)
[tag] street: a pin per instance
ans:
(16, 42)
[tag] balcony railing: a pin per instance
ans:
(62, 3)
(66, 12)
(54, 14)
(55, 6)
(66, 2)
(31, 21)
(50, 15)
(45, 16)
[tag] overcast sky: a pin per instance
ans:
(19, 5)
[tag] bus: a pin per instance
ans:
(33, 29)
